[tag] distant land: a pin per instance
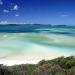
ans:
(61, 25)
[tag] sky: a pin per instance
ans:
(38, 11)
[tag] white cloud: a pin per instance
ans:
(6, 11)
(64, 15)
(16, 15)
(15, 7)
(1, 2)
(3, 22)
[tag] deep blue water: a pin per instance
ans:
(68, 30)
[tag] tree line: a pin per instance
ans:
(58, 66)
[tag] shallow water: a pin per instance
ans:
(36, 46)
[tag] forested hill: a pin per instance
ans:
(58, 66)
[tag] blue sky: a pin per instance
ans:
(38, 11)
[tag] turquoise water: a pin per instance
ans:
(46, 44)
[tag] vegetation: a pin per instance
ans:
(58, 66)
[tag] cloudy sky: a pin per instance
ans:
(38, 11)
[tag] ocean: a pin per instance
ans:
(21, 44)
